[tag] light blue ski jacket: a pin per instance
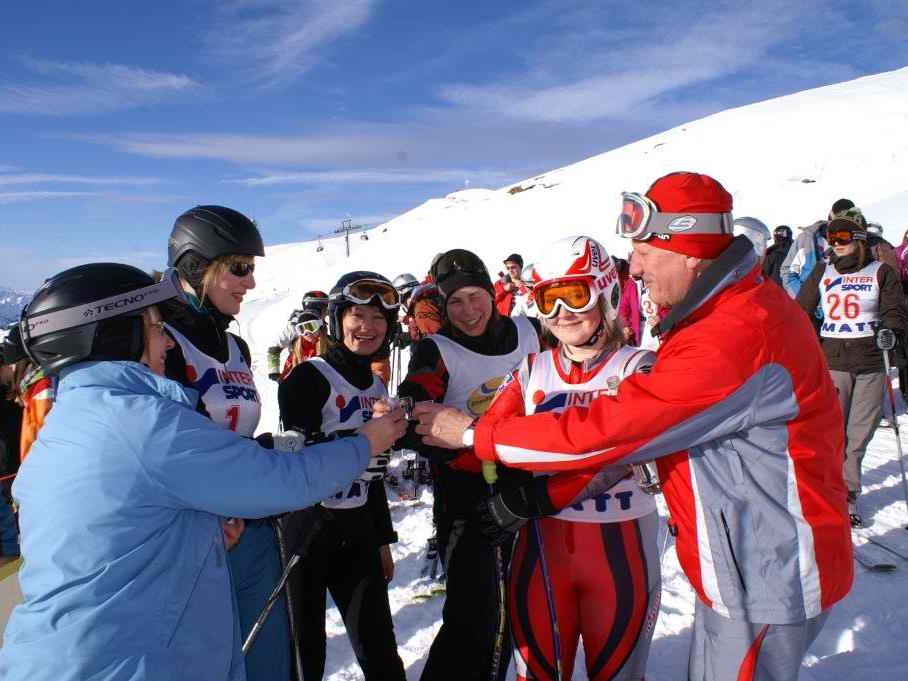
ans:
(125, 574)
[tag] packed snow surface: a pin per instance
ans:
(785, 161)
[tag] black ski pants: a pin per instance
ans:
(350, 568)
(463, 648)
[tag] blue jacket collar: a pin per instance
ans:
(129, 376)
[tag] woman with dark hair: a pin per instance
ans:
(462, 365)
(349, 556)
(860, 298)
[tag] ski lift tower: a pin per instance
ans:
(346, 227)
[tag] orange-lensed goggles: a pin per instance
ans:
(843, 236)
(572, 294)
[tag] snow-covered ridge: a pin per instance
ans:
(785, 161)
(11, 303)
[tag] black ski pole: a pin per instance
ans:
(316, 516)
(491, 475)
(269, 604)
(295, 643)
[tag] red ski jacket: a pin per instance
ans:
(741, 409)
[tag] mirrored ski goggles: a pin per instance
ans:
(364, 291)
(640, 219)
(123, 303)
(309, 326)
(575, 295)
(844, 237)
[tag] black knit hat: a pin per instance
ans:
(841, 205)
(851, 220)
(458, 268)
(514, 257)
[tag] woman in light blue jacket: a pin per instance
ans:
(125, 573)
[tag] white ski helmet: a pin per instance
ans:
(756, 231)
(580, 258)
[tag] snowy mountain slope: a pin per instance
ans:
(785, 160)
(11, 304)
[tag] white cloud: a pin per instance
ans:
(18, 197)
(71, 87)
(49, 178)
(618, 65)
(340, 148)
(377, 176)
(273, 41)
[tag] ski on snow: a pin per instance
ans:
(866, 536)
(871, 564)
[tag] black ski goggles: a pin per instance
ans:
(458, 261)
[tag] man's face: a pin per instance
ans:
(513, 269)
(667, 275)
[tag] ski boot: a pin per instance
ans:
(854, 514)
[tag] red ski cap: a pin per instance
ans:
(686, 192)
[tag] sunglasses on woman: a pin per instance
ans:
(241, 269)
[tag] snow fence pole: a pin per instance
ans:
(886, 343)
(490, 474)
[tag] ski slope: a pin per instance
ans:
(785, 161)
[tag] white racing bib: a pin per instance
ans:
(347, 408)
(546, 390)
(473, 379)
(851, 302)
(226, 389)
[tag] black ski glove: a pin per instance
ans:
(509, 510)
(302, 527)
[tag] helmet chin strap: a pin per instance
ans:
(597, 334)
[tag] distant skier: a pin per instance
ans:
(776, 254)
(302, 336)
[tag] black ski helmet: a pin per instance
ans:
(337, 303)
(203, 233)
(316, 302)
(91, 312)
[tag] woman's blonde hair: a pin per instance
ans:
(217, 269)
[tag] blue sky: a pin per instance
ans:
(117, 116)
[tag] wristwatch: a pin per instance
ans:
(469, 434)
